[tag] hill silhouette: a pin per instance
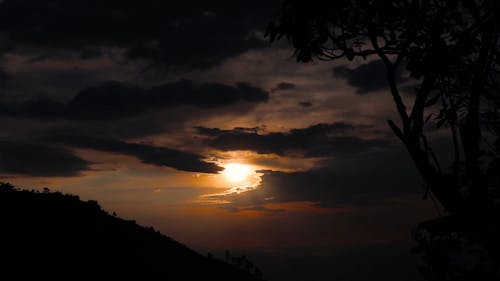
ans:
(58, 236)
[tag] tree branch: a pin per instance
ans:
(392, 84)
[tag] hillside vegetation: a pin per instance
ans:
(53, 235)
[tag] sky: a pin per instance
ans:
(182, 116)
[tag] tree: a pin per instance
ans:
(451, 50)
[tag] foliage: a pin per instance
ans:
(51, 235)
(451, 50)
(243, 263)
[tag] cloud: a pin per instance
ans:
(33, 159)
(321, 140)
(381, 177)
(367, 77)
(158, 156)
(256, 208)
(284, 86)
(3, 75)
(305, 103)
(189, 33)
(115, 100)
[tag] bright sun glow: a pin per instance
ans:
(237, 172)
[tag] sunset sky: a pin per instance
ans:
(142, 105)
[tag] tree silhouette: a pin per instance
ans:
(53, 236)
(451, 50)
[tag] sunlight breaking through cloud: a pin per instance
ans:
(246, 176)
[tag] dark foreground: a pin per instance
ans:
(51, 235)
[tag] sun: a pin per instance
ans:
(236, 172)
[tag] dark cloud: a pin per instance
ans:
(256, 208)
(3, 75)
(189, 33)
(91, 53)
(46, 80)
(159, 156)
(320, 140)
(35, 159)
(283, 86)
(367, 77)
(377, 178)
(305, 104)
(114, 100)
